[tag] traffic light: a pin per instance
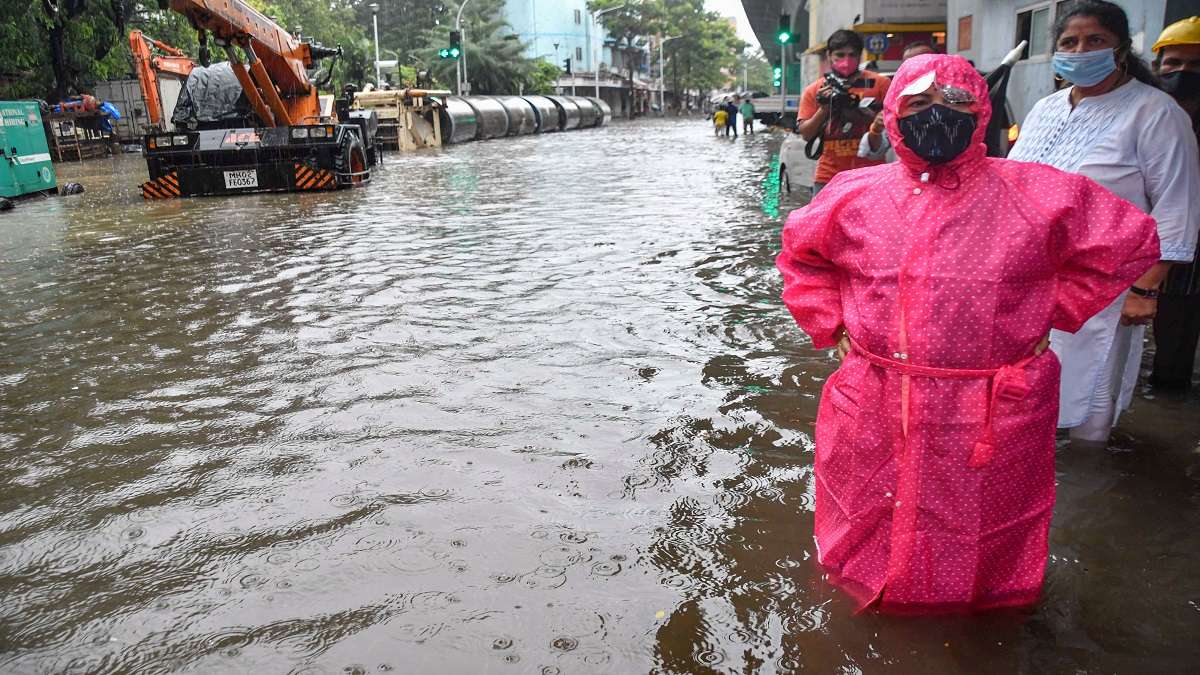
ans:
(567, 66)
(443, 53)
(784, 34)
(777, 73)
(455, 44)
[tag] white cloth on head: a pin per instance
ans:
(1137, 142)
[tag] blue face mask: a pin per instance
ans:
(1085, 69)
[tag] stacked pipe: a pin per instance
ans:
(469, 118)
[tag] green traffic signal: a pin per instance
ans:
(443, 53)
(784, 34)
(455, 52)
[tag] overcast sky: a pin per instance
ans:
(734, 8)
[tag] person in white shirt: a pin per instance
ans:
(1114, 127)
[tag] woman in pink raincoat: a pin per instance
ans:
(939, 278)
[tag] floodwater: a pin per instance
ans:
(524, 406)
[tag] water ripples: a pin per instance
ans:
(326, 433)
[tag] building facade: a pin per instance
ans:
(983, 31)
(557, 30)
(886, 25)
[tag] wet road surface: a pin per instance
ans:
(523, 406)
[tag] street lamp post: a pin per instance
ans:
(596, 52)
(375, 20)
(662, 74)
(461, 76)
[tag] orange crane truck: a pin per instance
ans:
(290, 147)
(153, 70)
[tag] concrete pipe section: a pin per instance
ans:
(549, 115)
(605, 110)
(490, 116)
(458, 121)
(522, 118)
(589, 113)
(570, 112)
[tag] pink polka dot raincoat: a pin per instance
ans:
(935, 438)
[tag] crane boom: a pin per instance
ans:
(290, 147)
(276, 83)
(148, 66)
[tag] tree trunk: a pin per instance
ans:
(60, 17)
(629, 89)
(63, 80)
(675, 81)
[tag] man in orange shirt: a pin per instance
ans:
(839, 108)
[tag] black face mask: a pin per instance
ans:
(1182, 84)
(938, 134)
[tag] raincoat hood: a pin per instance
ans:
(949, 70)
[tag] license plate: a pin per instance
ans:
(241, 179)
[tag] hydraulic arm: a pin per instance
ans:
(275, 78)
(148, 65)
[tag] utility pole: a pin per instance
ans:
(462, 78)
(375, 20)
(595, 52)
(783, 50)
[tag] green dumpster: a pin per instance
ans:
(25, 160)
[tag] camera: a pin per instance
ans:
(841, 98)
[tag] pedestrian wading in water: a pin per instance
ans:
(939, 277)
(1113, 125)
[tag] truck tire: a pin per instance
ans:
(350, 164)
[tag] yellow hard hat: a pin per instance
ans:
(1182, 32)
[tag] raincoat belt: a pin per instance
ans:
(1005, 383)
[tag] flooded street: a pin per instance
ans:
(521, 406)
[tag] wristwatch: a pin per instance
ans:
(1149, 293)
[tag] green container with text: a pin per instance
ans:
(25, 165)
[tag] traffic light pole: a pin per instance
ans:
(783, 48)
(784, 35)
(461, 77)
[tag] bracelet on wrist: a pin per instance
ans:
(1148, 293)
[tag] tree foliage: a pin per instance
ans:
(494, 55)
(55, 48)
(759, 76)
(543, 77)
(704, 52)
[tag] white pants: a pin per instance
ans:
(1103, 410)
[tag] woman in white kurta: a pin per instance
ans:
(1131, 138)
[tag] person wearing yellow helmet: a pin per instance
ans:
(1182, 42)
(1177, 323)
(1177, 63)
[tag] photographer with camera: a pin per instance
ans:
(836, 110)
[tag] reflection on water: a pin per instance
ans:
(526, 406)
